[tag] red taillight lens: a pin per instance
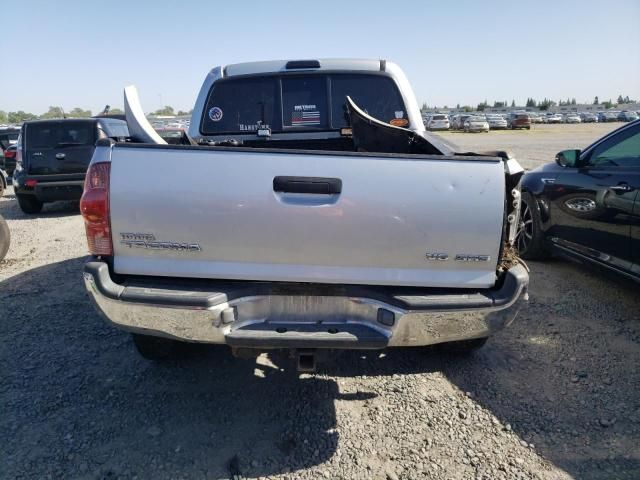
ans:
(94, 206)
(9, 154)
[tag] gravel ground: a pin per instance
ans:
(536, 146)
(555, 396)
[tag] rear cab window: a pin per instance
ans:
(44, 135)
(299, 102)
(115, 128)
(8, 138)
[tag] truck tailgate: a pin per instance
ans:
(385, 215)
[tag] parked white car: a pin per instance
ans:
(438, 122)
(554, 118)
(572, 118)
(496, 122)
(476, 124)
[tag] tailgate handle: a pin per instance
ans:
(313, 185)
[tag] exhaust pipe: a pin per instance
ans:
(306, 361)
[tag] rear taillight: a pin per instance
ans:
(94, 206)
(9, 154)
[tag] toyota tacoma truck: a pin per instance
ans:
(308, 210)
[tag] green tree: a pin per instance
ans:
(620, 99)
(116, 111)
(481, 106)
(499, 104)
(4, 118)
(573, 101)
(513, 103)
(53, 112)
(596, 101)
(183, 113)
(608, 104)
(531, 102)
(546, 103)
(20, 116)
(167, 110)
(79, 113)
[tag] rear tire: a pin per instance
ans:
(29, 203)
(530, 237)
(5, 237)
(463, 347)
(154, 348)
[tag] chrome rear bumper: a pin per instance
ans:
(267, 315)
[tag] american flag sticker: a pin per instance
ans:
(303, 119)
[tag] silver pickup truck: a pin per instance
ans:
(308, 209)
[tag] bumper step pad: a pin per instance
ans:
(312, 335)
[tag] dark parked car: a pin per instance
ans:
(8, 163)
(8, 138)
(587, 205)
(607, 116)
(627, 116)
(519, 120)
(53, 156)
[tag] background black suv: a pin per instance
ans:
(55, 157)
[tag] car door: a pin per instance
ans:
(635, 237)
(593, 205)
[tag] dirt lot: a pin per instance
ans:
(557, 395)
(537, 146)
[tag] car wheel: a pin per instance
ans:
(1, 188)
(529, 237)
(5, 237)
(154, 348)
(463, 347)
(29, 204)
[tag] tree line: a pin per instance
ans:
(542, 105)
(57, 112)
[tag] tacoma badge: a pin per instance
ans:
(148, 241)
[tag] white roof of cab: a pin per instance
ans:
(274, 66)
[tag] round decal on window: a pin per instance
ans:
(215, 114)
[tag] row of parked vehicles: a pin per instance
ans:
(477, 122)
(480, 122)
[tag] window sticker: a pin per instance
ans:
(243, 127)
(305, 115)
(399, 114)
(215, 114)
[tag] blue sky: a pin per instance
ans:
(74, 53)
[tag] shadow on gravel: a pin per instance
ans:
(78, 401)
(564, 376)
(11, 211)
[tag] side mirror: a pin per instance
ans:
(568, 158)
